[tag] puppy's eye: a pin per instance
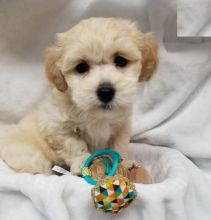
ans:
(120, 61)
(82, 67)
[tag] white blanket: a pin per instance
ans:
(172, 111)
(194, 18)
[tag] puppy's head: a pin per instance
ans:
(99, 62)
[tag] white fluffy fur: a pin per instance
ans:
(70, 123)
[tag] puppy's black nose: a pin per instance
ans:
(105, 92)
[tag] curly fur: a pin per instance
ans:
(69, 123)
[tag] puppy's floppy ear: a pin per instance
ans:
(149, 50)
(52, 70)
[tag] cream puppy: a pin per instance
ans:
(94, 69)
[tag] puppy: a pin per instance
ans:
(94, 69)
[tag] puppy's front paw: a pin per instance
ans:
(78, 163)
(76, 169)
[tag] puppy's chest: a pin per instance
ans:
(96, 135)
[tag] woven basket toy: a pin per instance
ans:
(113, 192)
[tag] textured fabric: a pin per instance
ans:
(194, 18)
(172, 111)
(113, 193)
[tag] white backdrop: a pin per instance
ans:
(172, 111)
(194, 18)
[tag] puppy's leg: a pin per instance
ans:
(22, 157)
(78, 163)
(121, 140)
(72, 150)
(79, 153)
(120, 144)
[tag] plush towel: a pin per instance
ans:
(171, 119)
(194, 18)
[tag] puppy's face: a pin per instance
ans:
(99, 62)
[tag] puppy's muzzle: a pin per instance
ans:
(105, 92)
